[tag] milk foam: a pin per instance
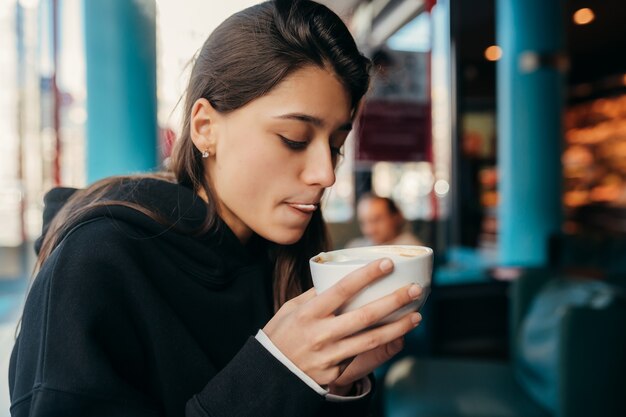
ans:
(362, 257)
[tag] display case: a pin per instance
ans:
(594, 165)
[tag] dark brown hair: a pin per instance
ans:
(391, 204)
(243, 59)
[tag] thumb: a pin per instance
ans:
(365, 363)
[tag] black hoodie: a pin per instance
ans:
(130, 317)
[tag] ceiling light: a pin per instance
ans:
(493, 53)
(584, 16)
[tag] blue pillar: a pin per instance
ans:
(120, 42)
(530, 99)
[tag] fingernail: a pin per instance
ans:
(386, 265)
(416, 318)
(415, 291)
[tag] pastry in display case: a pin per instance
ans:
(594, 165)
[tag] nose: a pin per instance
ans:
(319, 168)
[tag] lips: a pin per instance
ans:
(304, 207)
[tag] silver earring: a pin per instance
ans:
(206, 154)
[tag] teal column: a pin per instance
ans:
(530, 97)
(120, 43)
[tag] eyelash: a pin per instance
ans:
(294, 144)
(300, 145)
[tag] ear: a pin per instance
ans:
(202, 123)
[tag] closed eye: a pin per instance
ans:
(299, 145)
(294, 144)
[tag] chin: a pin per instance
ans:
(285, 237)
(287, 240)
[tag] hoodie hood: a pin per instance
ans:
(172, 214)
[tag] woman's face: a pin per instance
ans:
(274, 157)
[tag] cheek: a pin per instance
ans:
(389, 225)
(249, 172)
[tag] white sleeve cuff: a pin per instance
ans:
(365, 383)
(365, 386)
(271, 347)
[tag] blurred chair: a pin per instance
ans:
(591, 365)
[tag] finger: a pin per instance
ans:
(353, 321)
(367, 362)
(333, 298)
(344, 364)
(379, 336)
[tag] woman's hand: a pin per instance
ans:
(334, 350)
(363, 365)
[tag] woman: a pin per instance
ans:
(151, 288)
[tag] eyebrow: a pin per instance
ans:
(315, 121)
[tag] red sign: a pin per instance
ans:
(393, 131)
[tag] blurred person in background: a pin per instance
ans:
(188, 292)
(381, 223)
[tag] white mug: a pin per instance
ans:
(412, 264)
